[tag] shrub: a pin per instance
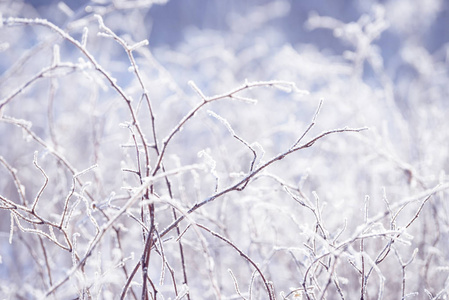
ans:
(211, 169)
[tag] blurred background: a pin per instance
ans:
(168, 23)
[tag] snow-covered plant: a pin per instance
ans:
(229, 165)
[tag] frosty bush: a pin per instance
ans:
(213, 169)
